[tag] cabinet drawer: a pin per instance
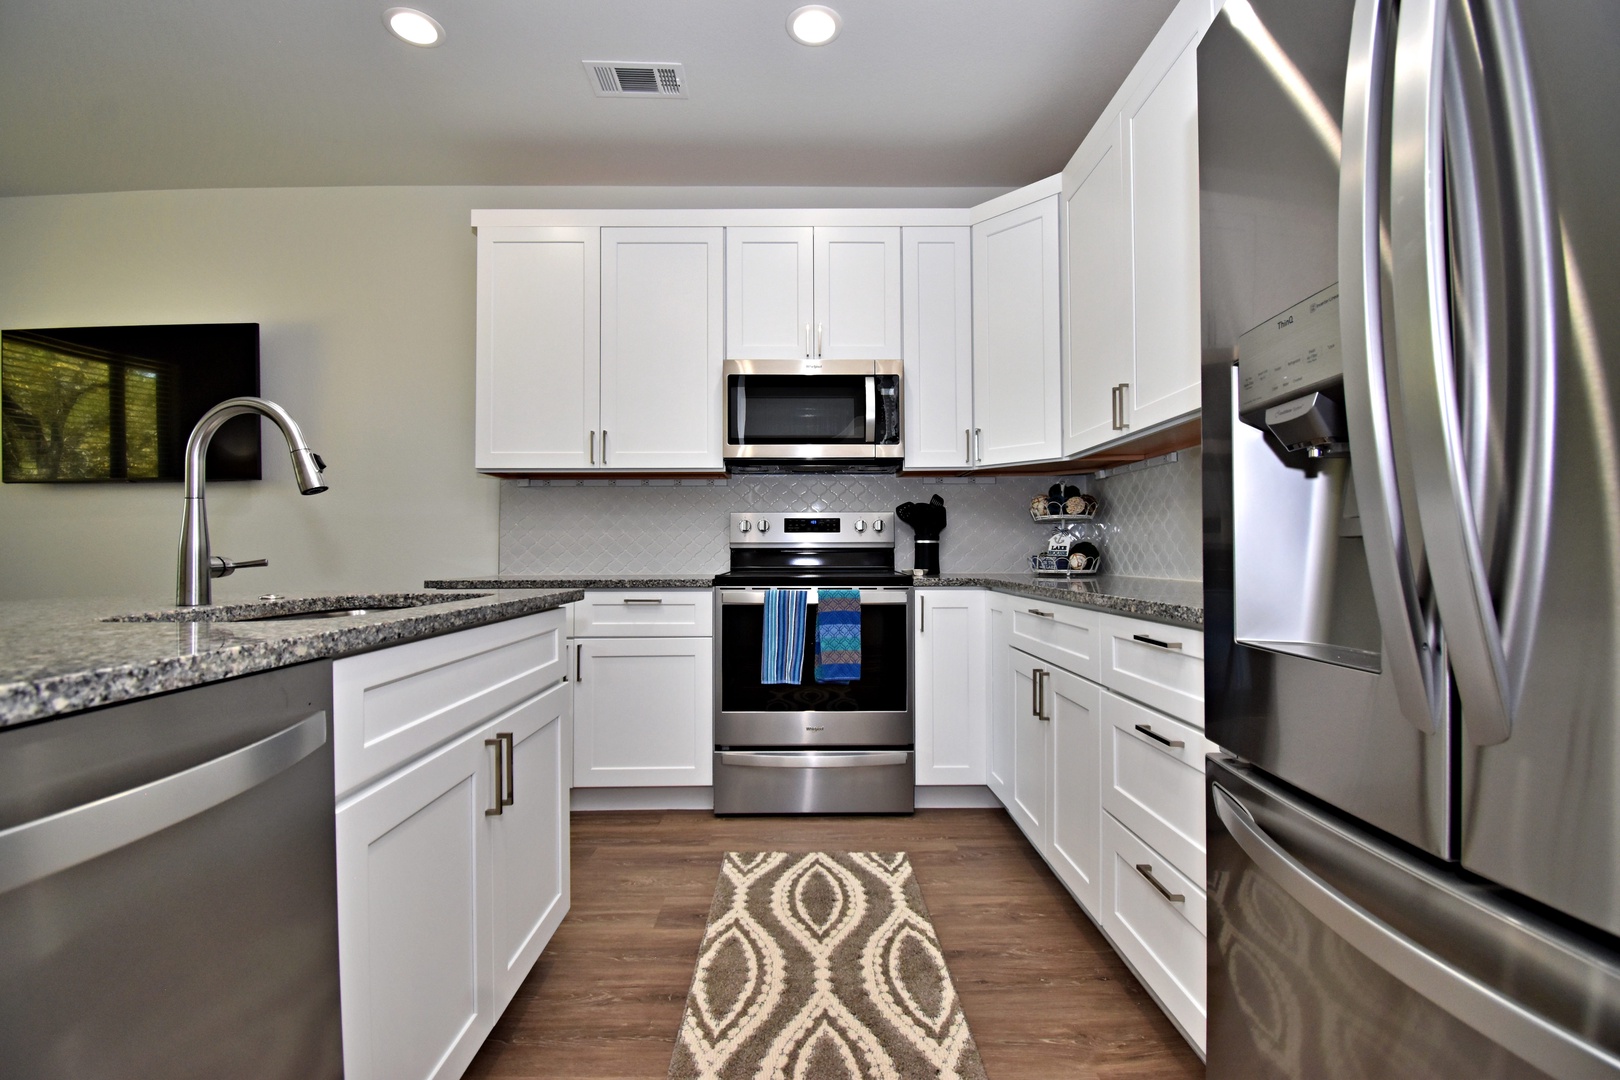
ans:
(1159, 665)
(1165, 940)
(645, 613)
(1066, 636)
(1156, 789)
(391, 705)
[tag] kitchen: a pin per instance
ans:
(366, 297)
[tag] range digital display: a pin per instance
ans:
(813, 525)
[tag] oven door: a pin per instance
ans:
(812, 410)
(874, 710)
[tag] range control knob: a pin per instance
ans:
(764, 526)
(743, 525)
(860, 525)
(877, 526)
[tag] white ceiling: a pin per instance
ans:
(113, 95)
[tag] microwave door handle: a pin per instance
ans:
(871, 409)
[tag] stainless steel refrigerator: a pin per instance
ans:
(1410, 224)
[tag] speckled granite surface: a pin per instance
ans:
(60, 656)
(1159, 599)
(533, 581)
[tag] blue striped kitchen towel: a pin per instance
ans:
(782, 658)
(838, 635)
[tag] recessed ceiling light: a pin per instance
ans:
(413, 27)
(814, 24)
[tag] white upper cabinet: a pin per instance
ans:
(857, 293)
(804, 293)
(1130, 203)
(937, 278)
(770, 293)
(1016, 334)
(1163, 135)
(662, 350)
(539, 316)
(1097, 327)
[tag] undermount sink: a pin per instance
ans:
(307, 607)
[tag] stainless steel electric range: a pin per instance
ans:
(813, 748)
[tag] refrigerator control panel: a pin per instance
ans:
(1291, 353)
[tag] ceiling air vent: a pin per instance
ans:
(636, 80)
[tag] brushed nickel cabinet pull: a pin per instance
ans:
(922, 614)
(1156, 737)
(1043, 614)
(1034, 692)
(500, 780)
(644, 600)
(579, 653)
(1041, 713)
(967, 437)
(1173, 646)
(593, 446)
(604, 446)
(511, 767)
(1146, 870)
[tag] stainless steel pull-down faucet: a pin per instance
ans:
(197, 569)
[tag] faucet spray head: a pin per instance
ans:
(307, 468)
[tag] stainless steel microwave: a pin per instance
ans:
(813, 414)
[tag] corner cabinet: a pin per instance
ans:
(599, 348)
(813, 292)
(1017, 378)
(1131, 333)
(452, 838)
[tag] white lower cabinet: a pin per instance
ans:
(1030, 766)
(1074, 707)
(453, 866)
(1108, 790)
(950, 699)
(644, 712)
(1155, 916)
(998, 768)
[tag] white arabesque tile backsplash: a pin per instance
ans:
(1150, 516)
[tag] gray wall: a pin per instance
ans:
(365, 298)
(1150, 516)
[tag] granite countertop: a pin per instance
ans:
(1159, 599)
(60, 656)
(1163, 600)
(577, 581)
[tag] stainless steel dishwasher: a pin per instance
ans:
(168, 890)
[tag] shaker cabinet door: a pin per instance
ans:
(414, 941)
(539, 321)
(644, 712)
(770, 293)
(663, 292)
(951, 727)
(937, 277)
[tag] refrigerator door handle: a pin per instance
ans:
(1483, 1008)
(1429, 386)
(1391, 564)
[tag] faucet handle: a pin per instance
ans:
(219, 566)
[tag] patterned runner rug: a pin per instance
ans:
(821, 967)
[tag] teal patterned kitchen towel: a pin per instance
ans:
(838, 635)
(782, 658)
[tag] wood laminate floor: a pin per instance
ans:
(1045, 995)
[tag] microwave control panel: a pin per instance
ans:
(1290, 354)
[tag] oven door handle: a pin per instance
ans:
(822, 759)
(756, 597)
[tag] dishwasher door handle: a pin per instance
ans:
(48, 845)
(824, 759)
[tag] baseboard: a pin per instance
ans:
(642, 798)
(956, 797)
